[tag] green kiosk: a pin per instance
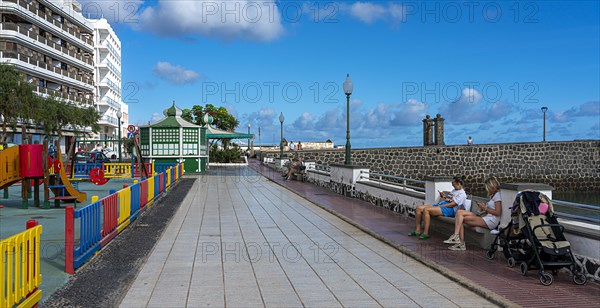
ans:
(172, 139)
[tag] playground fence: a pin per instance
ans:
(20, 274)
(102, 220)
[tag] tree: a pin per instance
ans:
(16, 98)
(222, 119)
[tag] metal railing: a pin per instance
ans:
(393, 180)
(577, 211)
(50, 18)
(323, 168)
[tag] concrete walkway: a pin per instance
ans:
(239, 239)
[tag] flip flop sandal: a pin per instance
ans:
(423, 236)
(414, 233)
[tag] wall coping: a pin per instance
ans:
(525, 186)
(353, 167)
(447, 146)
(393, 189)
(434, 178)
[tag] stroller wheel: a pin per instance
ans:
(490, 254)
(579, 278)
(546, 278)
(523, 268)
(511, 262)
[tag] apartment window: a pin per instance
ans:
(43, 33)
(42, 83)
(63, 66)
(42, 8)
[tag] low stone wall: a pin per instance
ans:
(567, 166)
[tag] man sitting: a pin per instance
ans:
(295, 167)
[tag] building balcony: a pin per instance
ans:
(110, 102)
(48, 71)
(108, 120)
(82, 101)
(24, 36)
(36, 16)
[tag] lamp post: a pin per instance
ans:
(544, 109)
(281, 119)
(119, 115)
(348, 87)
(248, 139)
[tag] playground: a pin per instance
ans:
(71, 211)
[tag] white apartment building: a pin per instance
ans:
(107, 78)
(65, 54)
(52, 44)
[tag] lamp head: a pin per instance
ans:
(348, 86)
(544, 109)
(119, 114)
(281, 118)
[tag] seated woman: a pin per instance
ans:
(445, 208)
(295, 166)
(492, 210)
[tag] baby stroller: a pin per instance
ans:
(536, 239)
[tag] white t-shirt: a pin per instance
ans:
(492, 203)
(459, 196)
(492, 220)
(292, 146)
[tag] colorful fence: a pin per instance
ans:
(20, 274)
(102, 220)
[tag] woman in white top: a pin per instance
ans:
(493, 210)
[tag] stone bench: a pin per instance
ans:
(473, 235)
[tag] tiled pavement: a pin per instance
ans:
(240, 240)
(470, 266)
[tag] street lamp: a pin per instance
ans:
(348, 87)
(119, 115)
(248, 139)
(281, 119)
(544, 109)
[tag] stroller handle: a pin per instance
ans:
(550, 225)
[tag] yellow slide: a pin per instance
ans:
(9, 166)
(69, 189)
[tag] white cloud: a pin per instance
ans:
(156, 116)
(409, 113)
(588, 109)
(304, 121)
(369, 13)
(471, 96)
(117, 11)
(175, 74)
(260, 21)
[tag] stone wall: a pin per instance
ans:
(567, 166)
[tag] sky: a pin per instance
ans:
(487, 67)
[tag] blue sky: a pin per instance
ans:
(486, 67)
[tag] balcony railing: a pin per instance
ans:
(71, 97)
(43, 40)
(26, 58)
(113, 50)
(33, 9)
(111, 102)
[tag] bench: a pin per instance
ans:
(475, 235)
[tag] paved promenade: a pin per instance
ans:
(241, 240)
(490, 277)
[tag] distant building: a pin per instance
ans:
(317, 145)
(107, 77)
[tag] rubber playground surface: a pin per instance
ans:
(13, 219)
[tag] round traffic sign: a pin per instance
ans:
(131, 128)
